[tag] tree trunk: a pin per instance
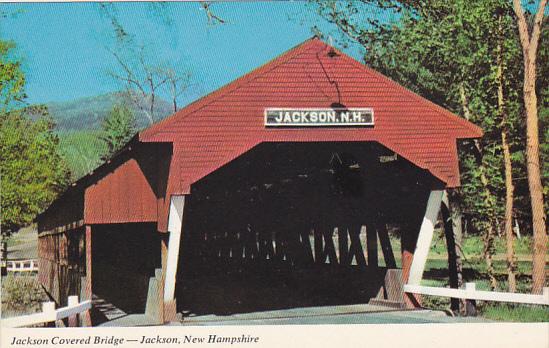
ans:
(4, 256)
(173, 89)
(488, 255)
(452, 231)
(509, 237)
(455, 213)
(509, 188)
(536, 190)
(489, 201)
(151, 107)
(529, 42)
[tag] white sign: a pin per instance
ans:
(308, 117)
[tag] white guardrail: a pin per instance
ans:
(50, 314)
(470, 293)
(21, 265)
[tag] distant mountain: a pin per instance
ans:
(87, 113)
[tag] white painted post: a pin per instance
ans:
(546, 294)
(48, 310)
(470, 289)
(48, 307)
(175, 222)
(73, 319)
(470, 304)
(425, 237)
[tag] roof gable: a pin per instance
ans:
(226, 123)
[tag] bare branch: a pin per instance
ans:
(141, 78)
(212, 17)
(176, 84)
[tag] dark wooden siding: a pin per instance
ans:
(129, 192)
(66, 210)
(122, 196)
(62, 263)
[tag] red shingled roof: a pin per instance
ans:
(228, 122)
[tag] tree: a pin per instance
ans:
(543, 90)
(142, 78)
(176, 84)
(461, 56)
(118, 128)
(529, 40)
(31, 170)
(12, 78)
(506, 149)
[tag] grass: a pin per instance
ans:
(473, 247)
(474, 270)
(515, 313)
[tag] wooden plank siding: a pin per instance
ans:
(62, 263)
(128, 192)
(123, 196)
(66, 212)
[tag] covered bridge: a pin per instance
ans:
(284, 181)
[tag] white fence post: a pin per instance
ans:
(49, 312)
(73, 319)
(470, 287)
(48, 308)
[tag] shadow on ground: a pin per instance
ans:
(272, 289)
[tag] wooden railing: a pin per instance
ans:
(471, 293)
(50, 314)
(21, 265)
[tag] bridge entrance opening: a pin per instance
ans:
(291, 225)
(125, 258)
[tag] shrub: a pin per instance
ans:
(21, 294)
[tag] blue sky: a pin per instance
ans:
(63, 45)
